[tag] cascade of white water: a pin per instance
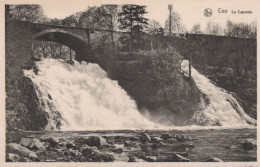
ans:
(222, 109)
(85, 97)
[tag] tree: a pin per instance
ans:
(109, 15)
(176, 24)
(89, 18)
(152, 25)
(72, 20)
(131, 19)
(196, 29)
(32, 13)
(242, 30)
(213, 29)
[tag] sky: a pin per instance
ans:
(191, 11)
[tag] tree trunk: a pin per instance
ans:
(131, 32)
(112, 40)
(190, 65)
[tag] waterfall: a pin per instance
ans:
(82, 97)
(221, 109)
(85, 97)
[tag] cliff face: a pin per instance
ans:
(160, 90)
(22, 103)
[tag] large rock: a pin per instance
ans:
(156, 139)
(96, 141)
(70, 145)
(54, 142)
(10, 157)
(173, 158)
(18, 149)
(130, 144)
(214, 159)
(150, 158)
(72, 152)
(94, 155)
(250, 144)
(32, 143)
(166, 136)
(118, 150)
(171, 140)
(144, 137)
(135, 159)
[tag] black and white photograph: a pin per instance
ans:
(129, 81)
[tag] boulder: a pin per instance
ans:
(54, 142)
(130, 144)
(182, 138)
(80, 141)
(150, 158)
(26, 159)
(63, 144)
(214, 159)
(32, 143)
(70, 145)
(96, 141)
(127, 143)
(18, 149)
(46, 145)
(171, 140)
(117, 150)
(10, 157)
(166, 136)
(249, 144)
(94, 155)
(133, 138)
(134, 159)
(72, 152)
(174, 158)
(86, 150)
(157, 145)
(156, 139)
(144, 137)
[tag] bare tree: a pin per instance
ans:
(152, 25)
(176, 24)
(110, 22)
(242, 30)
(213, 29)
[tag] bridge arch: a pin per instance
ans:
(74, 41)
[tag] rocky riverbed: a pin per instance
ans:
(215, 145)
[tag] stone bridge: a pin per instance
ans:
(75, 38)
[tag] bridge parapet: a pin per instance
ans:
(75, 38)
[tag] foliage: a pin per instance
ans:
(72, 20)
(176, 24)
(196, 29)
(132, 16)
(152, 25)
(164, 64)
(242, 30)
(213, 29)
(131, 19)
(32, 13)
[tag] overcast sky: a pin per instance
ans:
(191, 11)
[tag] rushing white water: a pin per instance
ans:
(222, 108)
(85, 97)
(82, 97)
